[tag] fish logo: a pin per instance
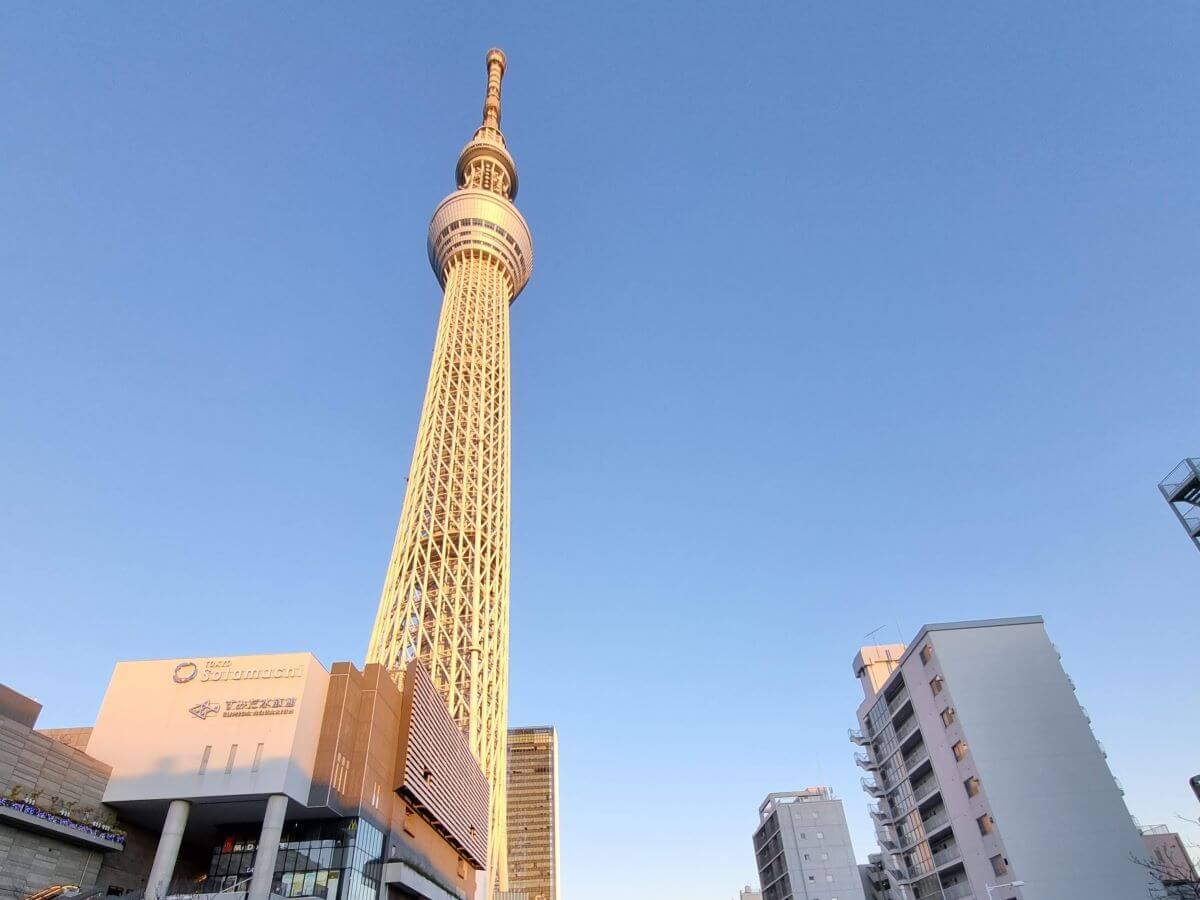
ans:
(204, 710)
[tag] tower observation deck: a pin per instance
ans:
(445, 596)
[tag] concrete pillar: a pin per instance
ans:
(268, 848)
(168, 850)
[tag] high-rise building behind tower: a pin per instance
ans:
(445, 597)
(533, 812)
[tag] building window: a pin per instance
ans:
(960, 750)
(341, 772)
(972, 786)
(999, 865)
(948, 716)
(926, 654)
(985, 823)
(257, 758)
(204, 759)
(232, 757)
(935, 685)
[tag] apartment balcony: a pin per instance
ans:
(956, 891)
(898, 701)
(873, 788)
(865, 761)
(917, 869)
(914, 759)
(935, 822)
(1181, 489)
(880, 813)
(946, 856)
(906, 730)
(857, 737)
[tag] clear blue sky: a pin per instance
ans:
(840, 319)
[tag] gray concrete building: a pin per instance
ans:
(986, 773)
(748, 893)
(802, 848)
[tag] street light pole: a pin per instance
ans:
(1011, 884)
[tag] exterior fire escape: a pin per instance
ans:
(1181, 488)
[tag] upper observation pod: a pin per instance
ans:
(485, 162)
(479, 216)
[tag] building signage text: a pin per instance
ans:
(227, 670)
(233, 709)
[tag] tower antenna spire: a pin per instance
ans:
(496, 63)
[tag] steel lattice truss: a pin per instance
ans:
(445, 599)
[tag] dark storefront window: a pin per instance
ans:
(334, 859)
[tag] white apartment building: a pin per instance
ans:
(803, 850)
(985, 771)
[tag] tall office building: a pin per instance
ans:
(1181, 488)
(533, 812)
(445, 597)
(802, 848)
(986, 772)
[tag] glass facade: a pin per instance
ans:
(336, 859)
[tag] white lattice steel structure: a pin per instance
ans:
(445, 599)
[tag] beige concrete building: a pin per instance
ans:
(269, 776)
(533, 867)
(1167, 859)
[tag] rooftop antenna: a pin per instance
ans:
(871, 634)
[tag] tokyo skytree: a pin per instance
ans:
(445, 598)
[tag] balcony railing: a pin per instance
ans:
(918, 756)
(864, 761)
(906, 729)
(1176, 482)
(936, 821)
(871, 787)
(918, 868)
(946, 855)
(857, 737)
(922, 789)
(956, 891)
(898, 701)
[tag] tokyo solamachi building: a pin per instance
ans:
(271, 776)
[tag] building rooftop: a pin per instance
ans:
(783, 798)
